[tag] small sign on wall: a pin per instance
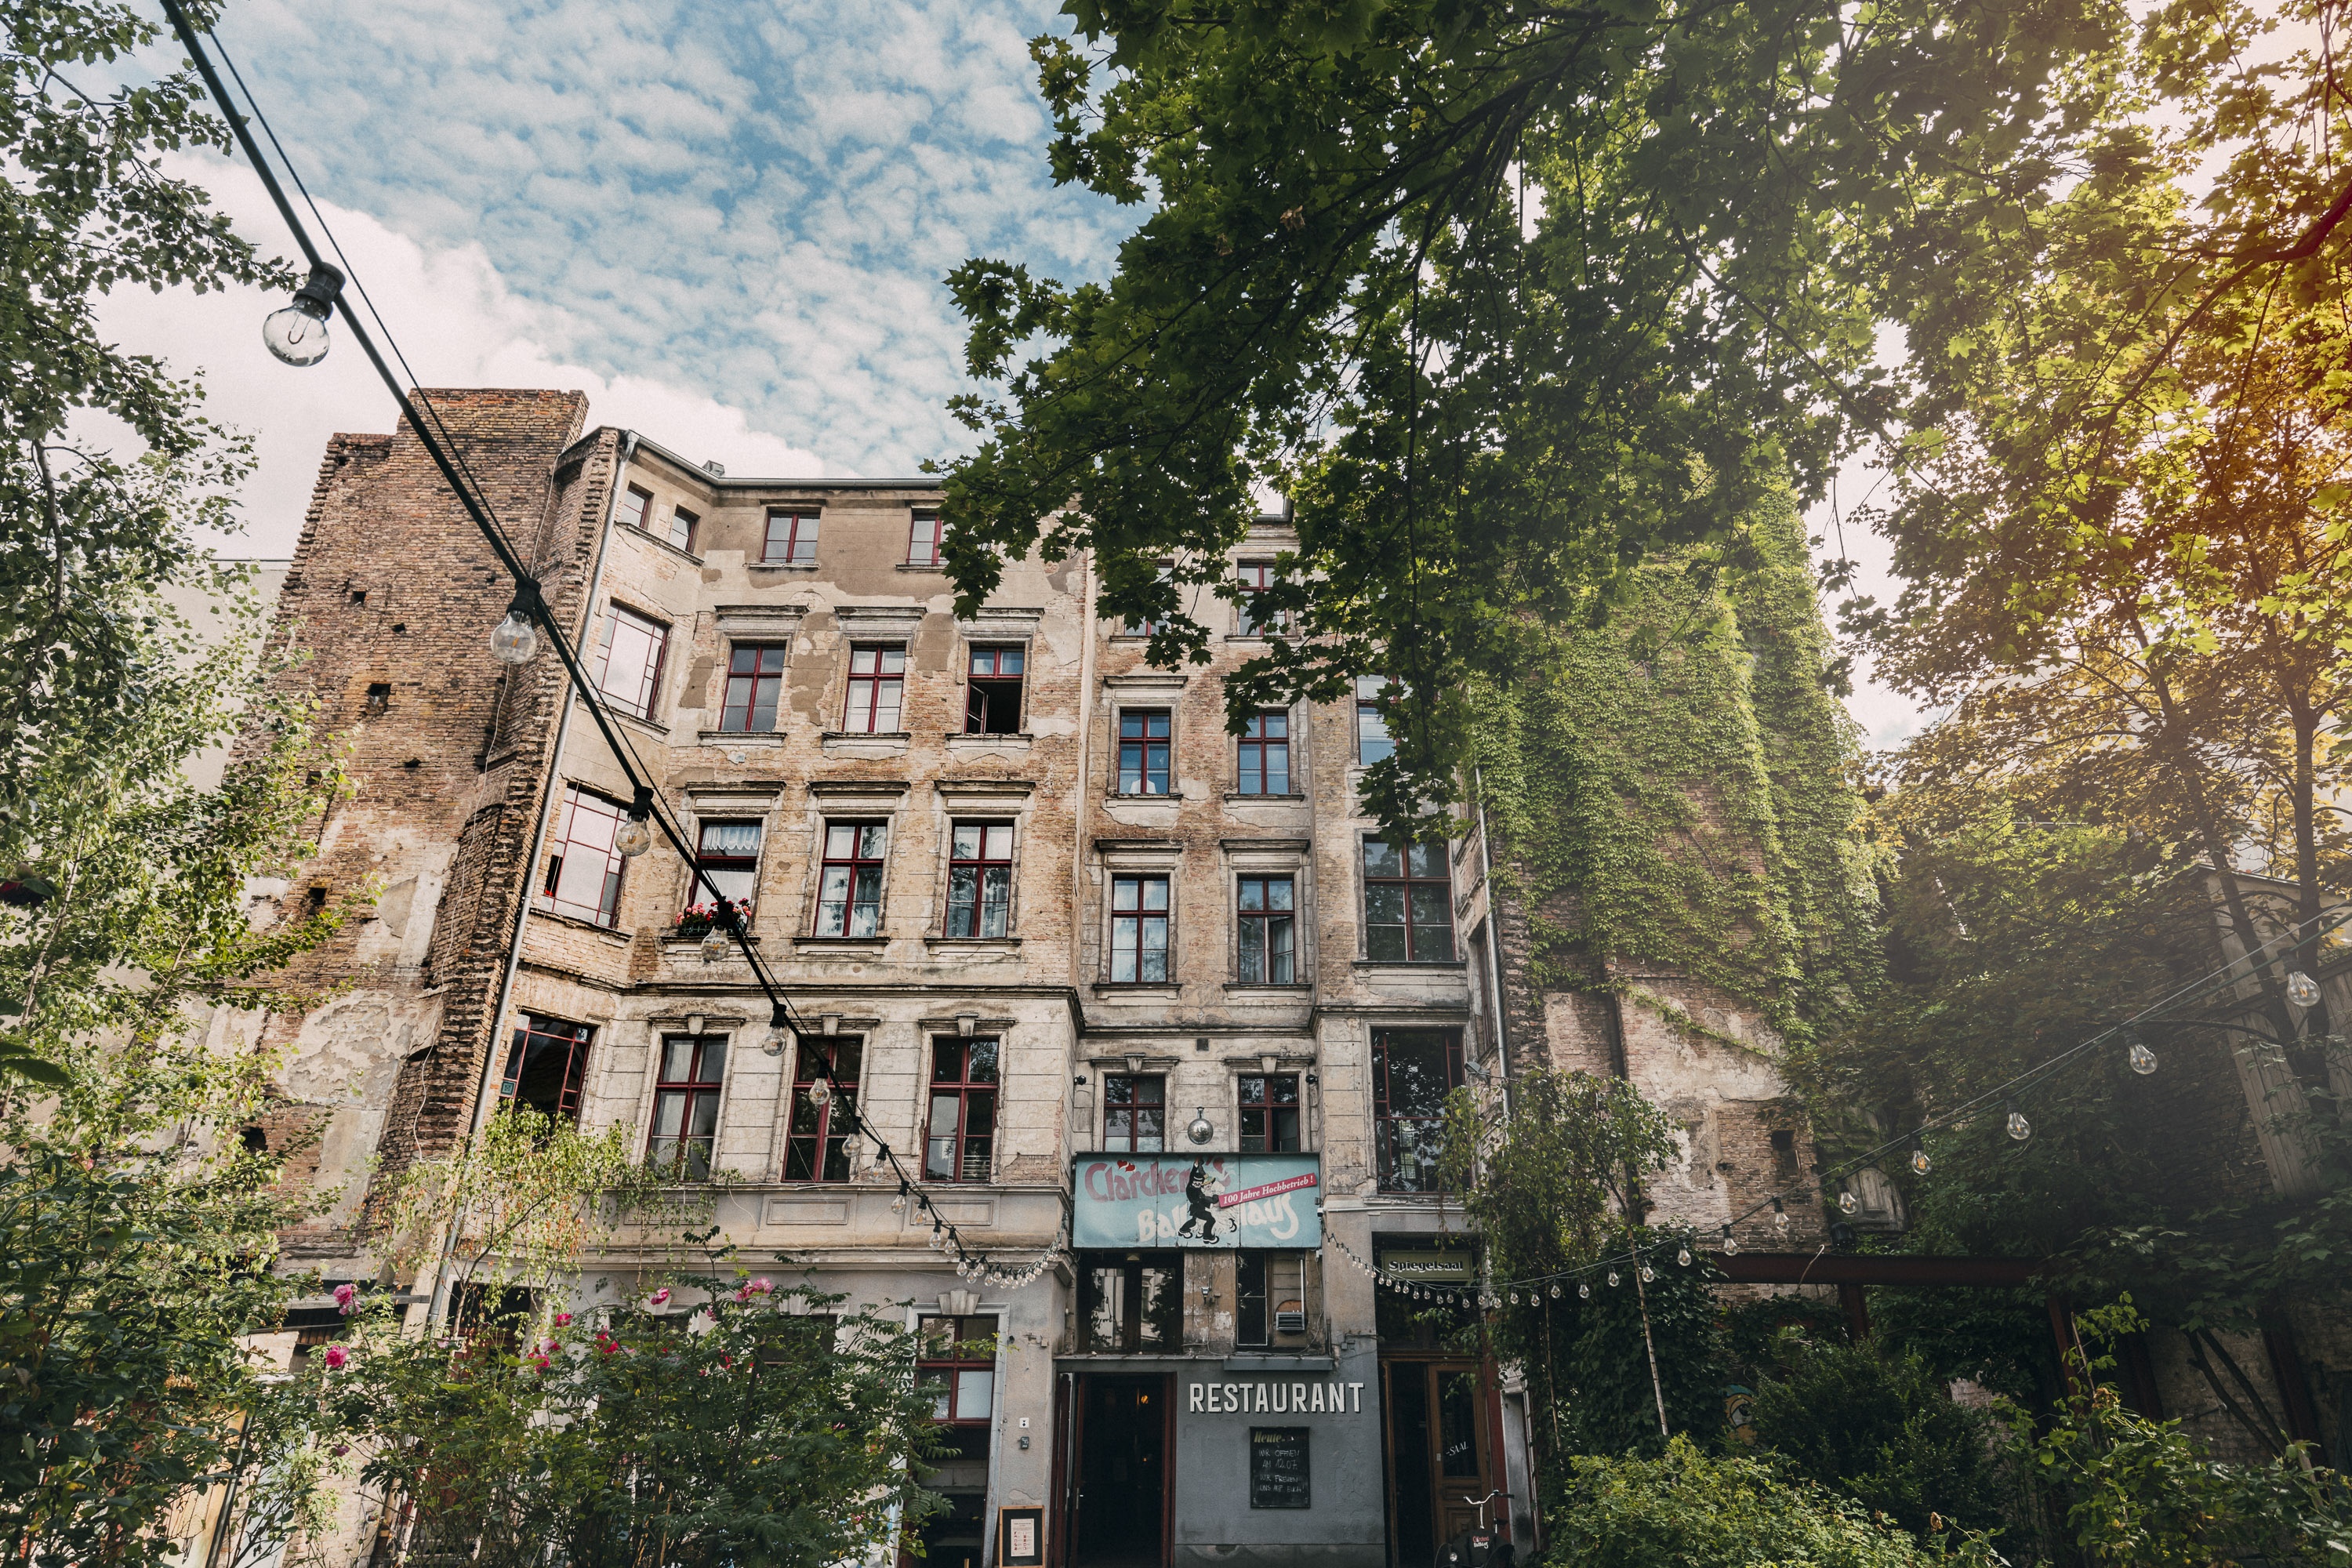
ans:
(1021, 1538)
(1279, 1470)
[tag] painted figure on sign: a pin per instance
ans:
(1199, 1200)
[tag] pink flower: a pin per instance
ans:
(759, 1286)
(562, 1320)
(337, 1358)
(661, 1296)
(339, 1449)
(344, 1297)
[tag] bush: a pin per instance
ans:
(1880, 1428)
(1691, 1510)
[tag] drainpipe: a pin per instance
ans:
(1494, 928)
(486, 1095)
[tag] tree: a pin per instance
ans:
(1502, 296)
(1623, 1360)
(138, 1227)
(760, 1428)
(86, 535)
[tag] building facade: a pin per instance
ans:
(1087, 959)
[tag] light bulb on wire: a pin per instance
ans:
(1730, 1243)
(780, 1032)
(715, 945)
(298, 333)
(2142, 1059)
(636, 834)
(2018, 1127)
(1780, 1217)
(515, 640)
(1612, 1279)
(1920, 1164)
(1584, 1290)
(1848, 1202)
(1649, 1275)
(1683, 1258)
(2302, 990)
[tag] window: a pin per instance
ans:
(1257, 577)
(815, 1140)
(1373, 741)
(1413, 1072)
(584, 869)
(629, 664)
(923, 540)
(791, 537)
(957, 1367)
(961, 1141)
(728, 854)
(878, 679)
(849, 894)
(1266, 754)
(1270, 1113)
(1266, 919)
(1269, 1296)
(547, 1067)
(682, 524)
(1131, 1303)
(992, 704)
(637, 505)
(980, 878)
(1143, 751)
(685, 1104)
(1135, 1112)
(1408, 903)
(1138, 930)
(755, 684)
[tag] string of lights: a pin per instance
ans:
(297, 335)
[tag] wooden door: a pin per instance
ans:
(1442, 1462)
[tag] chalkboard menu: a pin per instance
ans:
(1278, 1468)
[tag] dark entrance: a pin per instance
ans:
(1119, 1506)
(1442, 1463)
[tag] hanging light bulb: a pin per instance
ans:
(2302, 990)
(298, 333)
(1584, 1290)
(1848, 1202)
(1515, 1298)
(1730, 1243)
(1780, 1217)
(1683, 1258)
(1920, 1164)
(1649, 1275)
(1612, 1279)
(636, 834)
(820, 1094)
(515, 640)
(1555, 1289)
(2142, 1059)
(715, 945)
(780, 1032)
(898, 1206)
(2018, 1127)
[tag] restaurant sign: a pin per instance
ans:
(1198, 1200)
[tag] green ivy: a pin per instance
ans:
(1675, 787)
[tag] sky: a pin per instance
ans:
(730, 226)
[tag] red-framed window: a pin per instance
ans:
(960, 1137)
(1408, 903)
(957, 1367)
(1268, 916)
(1256, 577)
(849, 887)
(791, 537)
(728, 853)
(636, 506)
(547, 1067)
(992, 704)
(755, 686)
(1372, 739)
(1138, 930)
(685, 1104)
(682, 526)
(1135, 1114)
(584, 870)
(980, 878)
(1265, 752)
(1270, 1113)
(629, 661)
(815, 1142)
(1143, 751)
(878, 682)
(1149, 626)
(1413, 1072)
(923, 540)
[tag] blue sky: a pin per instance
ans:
(728, 225)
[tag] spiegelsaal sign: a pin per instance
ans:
(1198, 1200)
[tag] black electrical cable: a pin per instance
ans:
(529, 599)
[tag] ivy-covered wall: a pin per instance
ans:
(1684, 890)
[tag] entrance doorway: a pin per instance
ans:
(1119, 1506)
(1441, 1458)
